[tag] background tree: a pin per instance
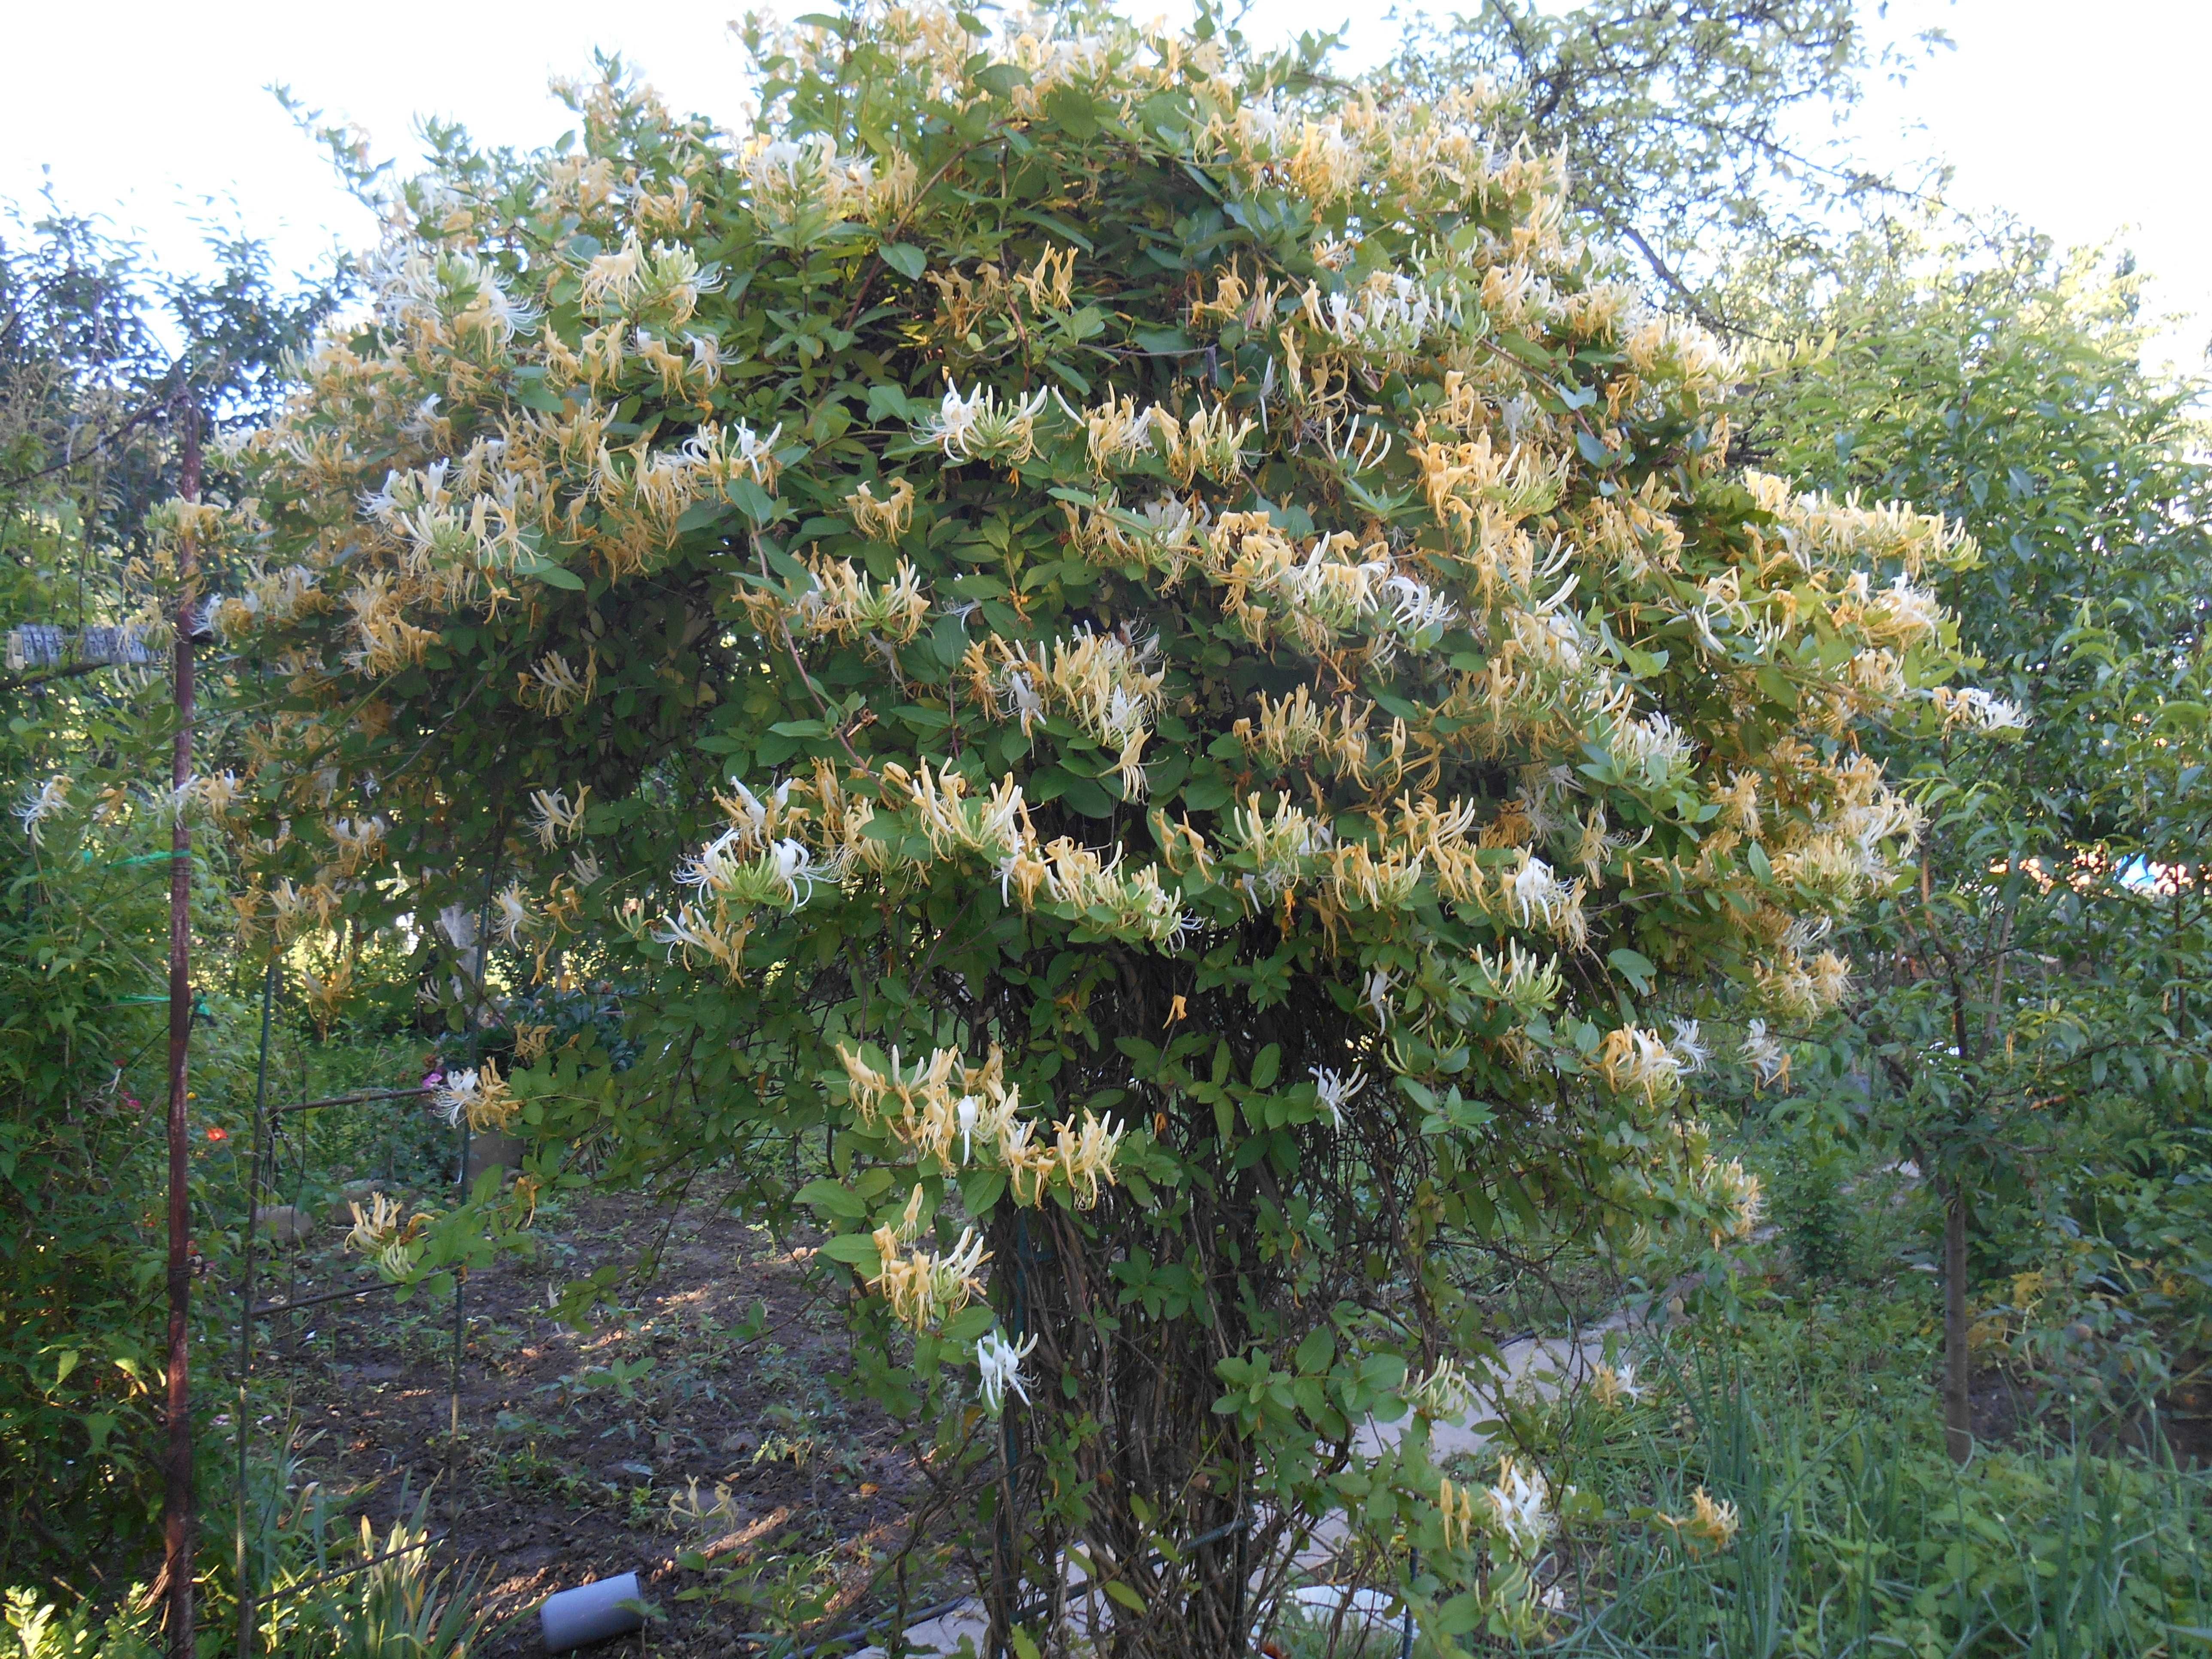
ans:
(2027, 1004)
(1690, 131)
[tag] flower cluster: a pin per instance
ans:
(479, 1095)
(925, 1288)
(941, 1110)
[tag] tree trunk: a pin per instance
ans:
(1957, 1402)
(176, 1517)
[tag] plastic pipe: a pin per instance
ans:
(590, 1613)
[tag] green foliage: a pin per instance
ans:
(1855, 1532)
(1815, 1218)
(81, 913)
(42, 1629)
(2033, 1016)
(324, 1590)
(368, 1597)
(89, 402)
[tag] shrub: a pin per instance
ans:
(1162, 655)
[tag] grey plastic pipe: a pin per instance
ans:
(590, 1613)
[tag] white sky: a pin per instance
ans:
(2079, 119)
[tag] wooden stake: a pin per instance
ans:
(176, 1517)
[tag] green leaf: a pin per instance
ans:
(981, 1190)
(1207, 792)
(1266, 1064)
(1087, 797)
(891, 401)
(750, 498)
(832, 1197)
(905, 258)
(1637, 967)
(1316, 1350)
(1127, 1597)
(855, 1249)
(1000, 80)
(970, 1322)
(536, 394)
(699, 515)
(552, 575)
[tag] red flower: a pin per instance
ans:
(218, 1134)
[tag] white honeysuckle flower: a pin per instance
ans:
(794, 864)
(172, 800)
(1444, 1391)
(1521, 1507)
(39, 803)
(1379, 995)
(1981, 709)
(1333, 1090)
(1764, 1053)
(1538, 894)
(1020, 699)
(1802, 934)
(1613, 1384)
(963, 1112)
(554, 816)
(1416, 608)
(374, 504)
(456, 1094)
(513, 914)
(978, 427)
(1000, 1361)
(1690, 1052)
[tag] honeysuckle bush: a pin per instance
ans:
(1165, 674)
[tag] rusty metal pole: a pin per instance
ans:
(176, 1517)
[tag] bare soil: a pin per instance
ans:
(696, 1432)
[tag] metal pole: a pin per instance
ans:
(246, 1308)
(176, 1517)
(1405, 1640)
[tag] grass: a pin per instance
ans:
(1857, 1535)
